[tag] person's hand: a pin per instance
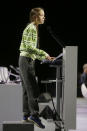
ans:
(50, 58)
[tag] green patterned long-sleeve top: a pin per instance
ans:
(28, 45)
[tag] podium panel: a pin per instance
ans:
(70, 86)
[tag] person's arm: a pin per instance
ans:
(29, 40)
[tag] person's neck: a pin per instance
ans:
(36, 24)
(85, 72)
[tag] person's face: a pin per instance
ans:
(85, 70)
(41, 17)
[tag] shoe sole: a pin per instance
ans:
(24, 121)
(35, 123)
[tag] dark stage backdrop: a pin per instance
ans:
(61, 17)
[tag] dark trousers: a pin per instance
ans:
(30, 87)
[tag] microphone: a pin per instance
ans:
(53, 36)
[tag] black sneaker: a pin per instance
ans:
(36, 121)
(25, 119)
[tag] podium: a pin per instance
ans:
(66, 94)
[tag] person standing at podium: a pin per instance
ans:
(28, 53)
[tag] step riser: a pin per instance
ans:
(18, 127)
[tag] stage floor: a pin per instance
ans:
(81, 118)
